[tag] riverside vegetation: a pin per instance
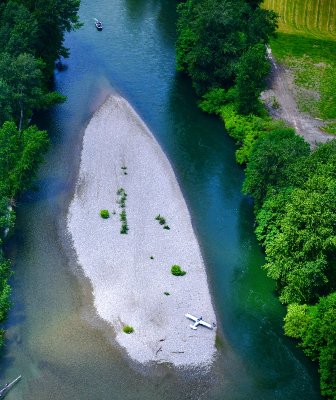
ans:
(306, 44)
(221, 47)
(31, 40)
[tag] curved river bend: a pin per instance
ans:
(54, 341)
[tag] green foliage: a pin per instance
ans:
(124, 228)
(4, 287)
(315, 327)
(327, 104)
(272, 163)
(162, 221)
(21, 88)
(166, 293)
(252, 68)
(213, 100)
(212, 36)
(128, 329)
(123, 216)
(18, 29)
(298, 255)
(2, 338)
(270, 215)
(21, 153)
(297, 320)
(296, 221)
(296, 224)
(31, 39)
(177, 271)
(246, 129)
(312, 62)
(7, 215)
(104, 214)
(52, 21)
(122, 204)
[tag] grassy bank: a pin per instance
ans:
(306, 44)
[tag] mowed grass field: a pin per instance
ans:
(306, 43)
(315, 18)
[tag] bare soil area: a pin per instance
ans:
(280, 101)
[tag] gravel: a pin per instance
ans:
(128, 285)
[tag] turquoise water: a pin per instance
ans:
(52, 340)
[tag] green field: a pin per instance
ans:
(316, 18)
(306, 43)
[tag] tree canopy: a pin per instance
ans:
(215, 42)
(315, 327)
(31, 40)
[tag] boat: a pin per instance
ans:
(99, 25)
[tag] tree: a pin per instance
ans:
(22, 89)
(4, 288)
(213, 35)
(272, 163)
(34, 144)
(301, 253)
(53, 17)
(21, 153)
(315, 327)
(252, 68)
(18, 29)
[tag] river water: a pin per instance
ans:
(54, 341)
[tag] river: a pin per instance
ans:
(54, 341)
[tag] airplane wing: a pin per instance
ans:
(191, 317)
(205, 324)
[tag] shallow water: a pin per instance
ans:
(51, 339)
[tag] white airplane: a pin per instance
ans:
(198, 321)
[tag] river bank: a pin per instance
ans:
(130, 273)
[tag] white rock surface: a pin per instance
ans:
(128, 286)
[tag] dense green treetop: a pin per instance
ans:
(251, 70)
(53, 18)
(18, 29)
(272, 163)
(315, 327)
(214, 34)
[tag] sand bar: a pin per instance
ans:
(128, 286)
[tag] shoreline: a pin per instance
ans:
(128, 285)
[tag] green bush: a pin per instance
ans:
(166, 293)
(166, 227)
(104, 214)
(128, 329)
(123, 216)
(213, 100)
(177, 271)
(161, 220)
(124, 229)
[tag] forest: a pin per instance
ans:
(31, 40)
(221, 46)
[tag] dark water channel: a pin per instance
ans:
(51, 342)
